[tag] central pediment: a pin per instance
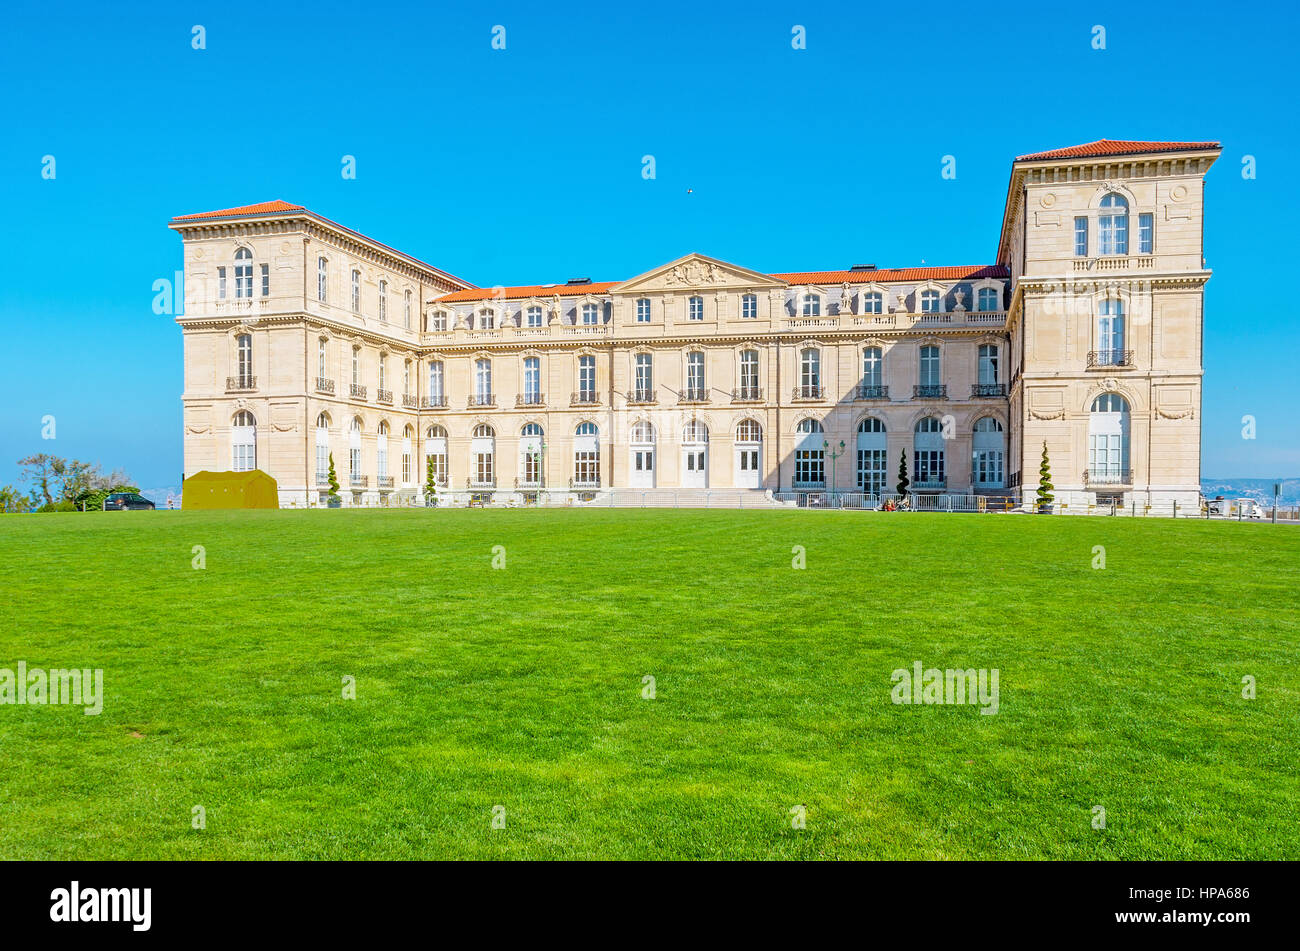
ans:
(696, 272)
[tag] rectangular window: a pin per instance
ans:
(645, 378)
(587, 377)
(439, 460)
(266, 280)
(356, 292)
(356, 366)
(321, 284)
(435, 381)
(221, 283)
(988, 370)
(929, 366)
(749, 374)
(809, 467)
(871, 470)
(696, 308)
(873, 303)
(586, 467)
(320, 360)
(532, 379)
(988, 300)
(643, 310)
(483, 468)
(871, 366)
(1081, 237)
(589, 315)
(1146, 225)
(749, 306)
(534, 316)
(483, 381)
(695, 375)
(929, 467)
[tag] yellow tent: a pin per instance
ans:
(229, 490)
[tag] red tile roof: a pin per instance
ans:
(1116, 147)
(887, 275)
(262, 208)
(542, 291)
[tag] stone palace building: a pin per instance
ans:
(304, 340)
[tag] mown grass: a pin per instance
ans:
(522, 687)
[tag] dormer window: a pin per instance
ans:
(873, 303)
(1112, 225)
(533, 316)
(487, 319)
(439, 320)
(988, 299)
(812, 305)
(929, 302)
(590, 315)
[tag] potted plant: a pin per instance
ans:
(1045, 497)
(333, 500)
(430, 485)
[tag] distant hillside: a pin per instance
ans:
(1261, 490)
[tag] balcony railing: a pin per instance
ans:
(584, 482)
(240, 384)
(384, 396)
(815, 484)
(584, 398)
(384, 482)
(872, 391)
(1108, 477)
(433, 402)
(930, 391)
(809, 392)
(324, 386)
(1110, 358)
(930, 483)
(526, 483)
(693, 395)
(322, 478)
(982, 390)
(747, 394)
(530, 399)
(482, 399)
(409, 401)
(358, 391)
(643, 396)
(359, 481)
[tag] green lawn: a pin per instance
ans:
(522, 687)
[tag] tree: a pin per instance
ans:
(1045, 487)
(12, 500)
(430, 482)
(903, 481)
(333, 480)
(46, 471)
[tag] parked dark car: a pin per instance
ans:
(126, 502)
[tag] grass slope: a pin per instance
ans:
(521, 687)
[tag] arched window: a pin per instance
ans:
(988, 299)
(356, 291)
(244, 361)
(408, 437)
(641, 448)
(873, 302)
(1112, 225)
(643, 434)
(872, 373)
(383, 302)
(812, 305)
(243, 442)
(1108, 441)
(930, 302)
(243, 273)
(435, 452)
(322, 283)
(928, 462)
(1110, 335)
(586, 455)
(354, 453)
(696, 311)
(695, 432)
(872, 456)
(810, 374)
(483, 451)
(381, 450)
(988, 451)
(530, 454)
(809, 455)
(322, 449)
(749, 431)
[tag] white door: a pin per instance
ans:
(642, 467)
(748, 474)
(695, 466)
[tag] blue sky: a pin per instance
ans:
(524, 165)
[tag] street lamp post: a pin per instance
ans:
(834, 455)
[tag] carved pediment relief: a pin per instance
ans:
(695, 271)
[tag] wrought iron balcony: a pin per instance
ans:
(475, 483)
(982, 390)
(482, 399)
(530, 399)
(384, 482)
(930, 391)
(409, 401)
(644, 396)
(747, 394)
(527, 483)
(584, 483)
(693, 395)
(384, 396)
(322, 478)
(324, 385)
(809, 391)
(240, 384)
(358, 391)
(872, 391)
(584, 398)
(1110, 358)
(359, 481)
(433, 402)
(1108, 477)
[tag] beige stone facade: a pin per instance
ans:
(304, 339)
